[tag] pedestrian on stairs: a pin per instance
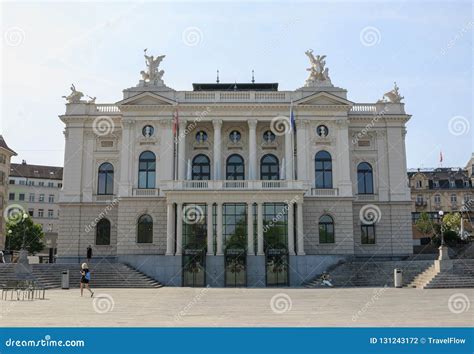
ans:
(85, 278)
(89, 253)
(2, 258)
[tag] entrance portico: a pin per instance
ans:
(204, 222)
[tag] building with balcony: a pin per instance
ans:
(35, 189)
(5, 156)
(234, 184)
(444, 189)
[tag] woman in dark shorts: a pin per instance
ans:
(85, 278)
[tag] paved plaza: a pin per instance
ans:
(244, 307)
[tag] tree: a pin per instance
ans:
(33, 232)
(452, 222)
(424, 224)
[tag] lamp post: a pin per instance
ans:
(443, 249)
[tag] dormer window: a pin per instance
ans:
(419, 184)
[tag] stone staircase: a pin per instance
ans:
(460, 276)
(110, 275)
(373, 273)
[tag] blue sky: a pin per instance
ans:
(425, 46)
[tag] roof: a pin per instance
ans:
(4, 145)
(36, 171)
(249, 86)
(440, 173)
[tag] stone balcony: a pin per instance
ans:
(251, 185)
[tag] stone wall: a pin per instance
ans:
(77, 229)
(341, 212)
(393, 233)
(130, 209)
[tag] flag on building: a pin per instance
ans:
(440, 157)
(175, 122)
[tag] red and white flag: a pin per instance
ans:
(175, 122)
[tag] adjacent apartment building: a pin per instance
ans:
(36, 189)
(5, 156)
(444, 188)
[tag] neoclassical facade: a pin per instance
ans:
(234, 184)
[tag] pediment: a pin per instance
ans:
(146, 99)
(324, 99)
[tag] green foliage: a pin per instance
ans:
(33, 232)
(452, 222)
(425, 225)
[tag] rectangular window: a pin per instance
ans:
(41, 198)
(22, 182)
(454, 198)
(3, 158)
(21, 196)
(11, 196)
(50, 184)
(194, 226)
(31, 183)
(234, 225)
(32, 197)
(12, 181)
(41, 184)
(60, 185)
(31, 212)
(367, 234)
(51, 198)
(40, 213)
(50, 213)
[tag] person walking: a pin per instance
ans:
(85, 279)
(89, 253)
(2, 258)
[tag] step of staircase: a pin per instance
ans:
(110, 275)
(373, 273)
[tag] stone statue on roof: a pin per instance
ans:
(318, 73)
(75, 96)
(393, 96)
(152, 74)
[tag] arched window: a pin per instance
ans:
(323, 169)
(326, 229)
(105, 184)
(365, 179)
(235, 168)
(102, 232)
(145, 229)
(147, 170)
(269, 168)
(201, 168)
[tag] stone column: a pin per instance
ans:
(252, 149)
(179, 229)
(299, 229)
(302, 150)
(289, 173)
(182, 151)
(210, 234)
(342, 161)
(217, 123)
(167, 146)
(250, 240)
(220, 243)
(125, 152)
(170, 230)
(291, 230)
(260, 229)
